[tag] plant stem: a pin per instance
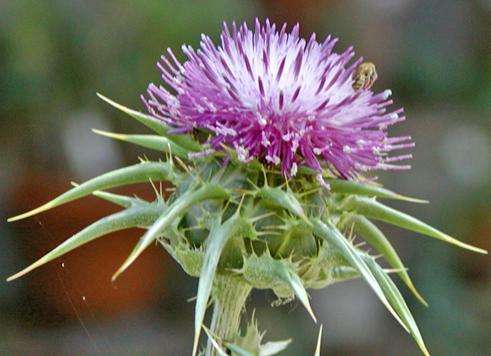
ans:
(229, 297)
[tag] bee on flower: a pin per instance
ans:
(364, 76)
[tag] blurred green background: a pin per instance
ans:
(56, 54)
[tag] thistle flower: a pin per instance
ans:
(281, 100)
(274, 96)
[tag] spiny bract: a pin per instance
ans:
(241, 224)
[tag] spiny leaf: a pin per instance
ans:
(268, 349)
(117, 199)
(396, 300)
(376, 238)
(253, 164)
(344, 273)
(296, 284)
(214, 343)
(273, 347)
(375, 210)
(155, 125)
(154, 142)
(352, 187)
(172, 212)
(265, 272)
(132, 217)
(137, 173)
(248, 343)
(216, 241)
(240, 351)
(319, 339)
(328, 232)
(285, 200)
(147, 120)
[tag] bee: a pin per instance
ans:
(364, 76)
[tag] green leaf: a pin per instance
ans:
(253, 164)
(214, 343)
(266, 272)
(216, 241)
(240, 351)
(344, 273)
(375, 210)
(249, 343)
(155, 125)
(376, 238)
(138, 173)
(283, 199)
(274, 347)
(132, 217)
(117, 199)
(153, 142)
(333, 236)
(352, 187)
(397, 301)
(319, 339)
(170, 214)
(268, 349)
(295, 283)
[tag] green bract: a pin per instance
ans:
(239, 226)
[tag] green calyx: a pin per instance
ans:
(246, 225)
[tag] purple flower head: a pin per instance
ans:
(284, 100)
